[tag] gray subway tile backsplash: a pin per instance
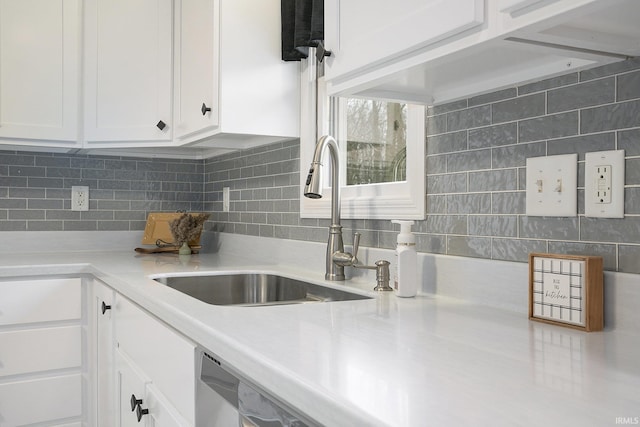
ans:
(620, 115)
(518, 108)
(476, 156)
(516, 249)
(493, 136)
(548, 127)
(628, 86)
(35, 189)
(573, 97)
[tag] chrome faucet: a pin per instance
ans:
(337, 259)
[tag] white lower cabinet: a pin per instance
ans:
(33, 301)
(22, 350)
(165, 357)
(161, 412)
(130, 391)
(40, 400)
(103, 348)
(41, 352)
(63, 364)
(139, 401)
(137, 358)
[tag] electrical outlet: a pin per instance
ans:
(79, 198)
(604, 184)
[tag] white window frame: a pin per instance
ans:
(393, 200)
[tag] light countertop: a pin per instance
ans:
(429, 360)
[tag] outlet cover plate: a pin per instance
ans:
(79, 198)
(604, 184)
(552, 186)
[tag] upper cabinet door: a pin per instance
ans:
(39, 69)
(196, 94)
(513, 6)
(364, 34)
(128, 70)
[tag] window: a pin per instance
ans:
(382, 152)
(373, 140)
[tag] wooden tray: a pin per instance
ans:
(157, 228)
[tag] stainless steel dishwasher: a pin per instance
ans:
(223, 400)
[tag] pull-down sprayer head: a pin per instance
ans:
(312, 186)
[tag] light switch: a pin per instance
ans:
(552, 185)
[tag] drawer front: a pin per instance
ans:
(33, 301)
(165, 357)
(21, 351)
(40, 400)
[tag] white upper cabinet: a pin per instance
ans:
(607, 27)
(365, 33)
(517, 6)
(196, 106)
(39, 72)
(207, 69)
(128, 70)
(259, 93)
(150, 73)
(434, 51)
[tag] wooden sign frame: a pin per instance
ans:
(567, 290)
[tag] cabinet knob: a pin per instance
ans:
(161, 125)
(135, 402)
(140, 412)
(321, 52)
(205, 109)
(105, 307)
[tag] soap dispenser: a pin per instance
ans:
(406, 265)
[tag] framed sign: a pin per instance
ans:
(566, 290)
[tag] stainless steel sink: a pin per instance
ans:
(254, 289)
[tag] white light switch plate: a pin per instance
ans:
(604, 184)
(226, 199)
(552, 185)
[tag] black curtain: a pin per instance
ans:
(302, 27)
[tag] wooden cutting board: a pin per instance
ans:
(157, 228)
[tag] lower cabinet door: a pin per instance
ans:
(161, 413)
(130, 388)
(40, 400)
(166, 357)
(104, 365)
(140, 403)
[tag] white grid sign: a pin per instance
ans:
(558, 290)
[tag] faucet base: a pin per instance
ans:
(335, 277)
(334, 271)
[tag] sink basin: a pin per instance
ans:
(254, 289)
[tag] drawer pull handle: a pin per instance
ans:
(105, 307)
(161, 125)
(140, 412)
(205, 109)
(135, 402)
